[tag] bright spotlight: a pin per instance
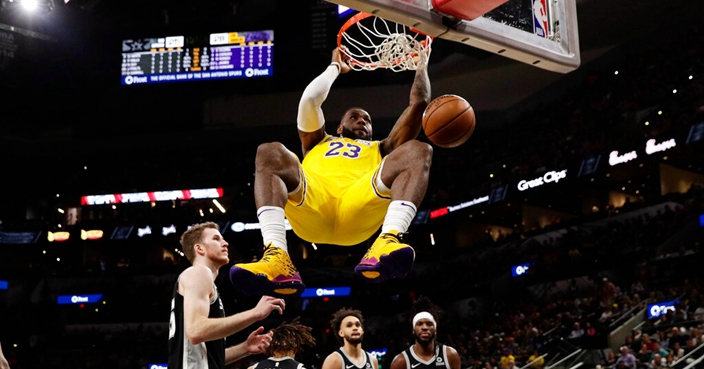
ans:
(29, 5)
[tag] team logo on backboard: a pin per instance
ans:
(540, 18)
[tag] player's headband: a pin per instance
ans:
(424, 315)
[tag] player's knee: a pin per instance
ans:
(272, 153)
(421, 152)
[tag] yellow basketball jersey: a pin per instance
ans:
(341, 203)
(341, 161)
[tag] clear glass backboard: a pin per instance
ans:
(542, 33)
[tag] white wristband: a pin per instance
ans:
(339, 68)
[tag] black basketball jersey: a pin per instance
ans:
(438, 361)
(348, 364)
(183, 354)
(279, 363)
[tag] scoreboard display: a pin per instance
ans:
(197, 58)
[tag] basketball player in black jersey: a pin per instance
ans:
(426, 352)
(288, 340)
(348, 327)
(198, 325)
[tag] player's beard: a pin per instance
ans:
(354, 340)
(353, 135)
(426, 340)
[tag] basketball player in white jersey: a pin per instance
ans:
(198, 325)
(347, 324)
(426, 352)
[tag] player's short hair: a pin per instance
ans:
(193, 236)
(290, 337)
(339, 316)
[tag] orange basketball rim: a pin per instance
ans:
(370, 42)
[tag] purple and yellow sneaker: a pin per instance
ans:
(387, 258)
(273, 275)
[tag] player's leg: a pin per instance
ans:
(278, 175)
(404, 174)
(406, 171)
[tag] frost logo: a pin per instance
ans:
(324, 292)
(657, 310)
(77, 299)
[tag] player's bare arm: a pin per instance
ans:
(311, 121)
(196, 286)
(333, 361)
(399, 362)
(375, 362)
(409, 124)
(453, 358)
(256, 343)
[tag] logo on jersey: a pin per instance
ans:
(439, 362)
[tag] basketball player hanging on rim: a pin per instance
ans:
(346, 188)
(426, 352)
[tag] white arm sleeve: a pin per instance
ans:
(310, 115)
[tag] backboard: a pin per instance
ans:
(542, 33)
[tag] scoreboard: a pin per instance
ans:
(196, 58)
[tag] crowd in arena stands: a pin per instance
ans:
(580, 308)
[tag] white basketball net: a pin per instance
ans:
(374, 42)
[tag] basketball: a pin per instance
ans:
(448, 121)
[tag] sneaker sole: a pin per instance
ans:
(395, 265)
(258, 284)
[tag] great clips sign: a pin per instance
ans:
(552, 176)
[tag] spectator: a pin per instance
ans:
(661, 352)
(576, 332)
(506, 358)
(539, 360)
(626, 360)
(669, 360)
(656, 362)
(677, 350)
(649, 344)
(608, 293)
(689, 346)
(611, 359)
(589, 330)
(676, 337)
